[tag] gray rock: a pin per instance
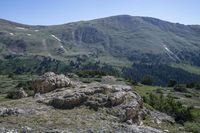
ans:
(108, 79)
(49, 82)
(26, 129)
(10, 111)
(4, 130)
(96, 96)
(139, 129)
(116, 98)
(68, 101)
(160, 117)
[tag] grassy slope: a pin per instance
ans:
(192, 126)
(187, 67)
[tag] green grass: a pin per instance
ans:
(8, 84)
(3, 98)
(196, 114)
(192, 127)
(189, 126)
(187, 67)
(143, 90)
(172, 128)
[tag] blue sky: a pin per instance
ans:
(49, 12)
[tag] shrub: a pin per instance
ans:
(26, 85)
(188, 95)
(190, 85)
(90, 73)
(197, 86)
(170, 106)
(11, 75)
(11, 94)
(192, 127)
(147, 80)
(172, 83)
(180, 88)
(159, 90)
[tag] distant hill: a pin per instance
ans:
(118, 41)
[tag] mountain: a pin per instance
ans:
(119, 41)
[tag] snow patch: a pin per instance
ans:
(167, 49)
(171, 54)
(12, 34)
(55, 37)
(20, 28)
(36, 30)
(28, 34)
(61, 46)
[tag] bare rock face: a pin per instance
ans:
(49, 82)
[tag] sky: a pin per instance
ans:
(51, 12)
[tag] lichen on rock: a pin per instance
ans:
(49, 82)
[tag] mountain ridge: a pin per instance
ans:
(119, 41)
(12, 21)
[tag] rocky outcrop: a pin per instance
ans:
(94, 95)
(67, 106)
(49, 82)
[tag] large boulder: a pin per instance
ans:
(97, 95)
(49, 82)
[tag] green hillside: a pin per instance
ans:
(117, 41)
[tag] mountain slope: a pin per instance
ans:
(135, 38)
(117, 40)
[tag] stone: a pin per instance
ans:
(10, 111)
(116, 98)
(140, 129)
(4, 130)
(26, 129)
(108, 79)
